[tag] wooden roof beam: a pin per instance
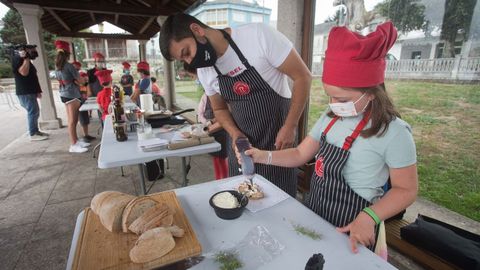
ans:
(92, 16)
(59, 20)
(146, 25)
(144, 3)
(105, 36)
(102, 7)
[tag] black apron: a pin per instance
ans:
(259, 113)
(220, 136)
(330, 195)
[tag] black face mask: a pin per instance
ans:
(205, 56)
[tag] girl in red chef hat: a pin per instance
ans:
(358, 144)
(104, 97)
(69, 80)
(144, 86)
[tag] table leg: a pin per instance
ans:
(184, 172)
(142, 179)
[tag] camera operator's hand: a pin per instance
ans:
(23, 54)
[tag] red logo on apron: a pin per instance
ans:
(241, 88)
(319, 166)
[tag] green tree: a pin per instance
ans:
(406, 15)
(14, 33)
(79, 50)
(456, 23)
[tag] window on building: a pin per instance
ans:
(256, 18)
(216, 17)
(441, 46)
(239, 16)
(416, 55)
(95, 45)
(117, 48)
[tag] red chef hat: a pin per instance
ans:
(143, 65)
(126, 65)
(104, 75)
(77, 64)
(98, 55)
(61, 45)
(83, 74)
(353, 60)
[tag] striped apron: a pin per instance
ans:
(259, 113)
(330, 195)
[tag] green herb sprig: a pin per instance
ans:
(307, 232)
(228, 261)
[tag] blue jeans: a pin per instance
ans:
(30, 103)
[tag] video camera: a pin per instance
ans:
(24, 51)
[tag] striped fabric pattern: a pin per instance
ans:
(259, 114)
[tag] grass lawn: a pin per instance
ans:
(446, 124)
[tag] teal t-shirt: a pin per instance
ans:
(367, 168)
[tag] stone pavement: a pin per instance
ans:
(43, 188)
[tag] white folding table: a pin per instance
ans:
(215, 234)
(116, 154)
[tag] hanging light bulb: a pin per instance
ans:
(100, 27)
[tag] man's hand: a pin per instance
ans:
(22, 54)
(285, 137)
(362, 230)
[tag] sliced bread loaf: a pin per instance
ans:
(111, 211)
(135, 209)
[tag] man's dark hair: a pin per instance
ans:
(176, 27)
(153, 79)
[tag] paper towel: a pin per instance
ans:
(146, 102)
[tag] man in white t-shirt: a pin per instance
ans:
(244, 72)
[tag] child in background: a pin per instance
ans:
(155, 88)
(206, 117)
(104, 97)
(127, 79)
(144, 85)
(84, 116)
(83, 87)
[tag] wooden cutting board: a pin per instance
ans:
(98, 248)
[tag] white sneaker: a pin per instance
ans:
(76, 148)
(42, 134)
(37, 137)
(83, 144)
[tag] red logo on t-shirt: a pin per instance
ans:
(234, 71)
(319, 166)
(241, 88)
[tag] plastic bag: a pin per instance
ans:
(257, 248)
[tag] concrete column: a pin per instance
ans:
(107, 55)
(142, 49)
(290, 21)
(168, 74)
(31, 15)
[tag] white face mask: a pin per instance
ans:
(346, 109)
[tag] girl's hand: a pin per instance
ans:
(362, 231)
(258, 156)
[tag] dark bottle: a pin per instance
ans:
(118, 112)
(119, 124)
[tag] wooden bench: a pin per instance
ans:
(423, 257)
